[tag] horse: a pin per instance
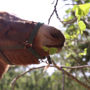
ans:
(24, 42)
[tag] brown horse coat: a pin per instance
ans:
(15, 32)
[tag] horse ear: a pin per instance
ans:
(3, 69)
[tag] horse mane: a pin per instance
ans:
(12, 18)
(15, 31)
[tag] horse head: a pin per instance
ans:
(15, 47)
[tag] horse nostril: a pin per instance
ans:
(55, 35)
(58, 35)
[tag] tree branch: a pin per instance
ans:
(76, 67)
(63, 80)
(85, 77)
(70, 21)
(57, 15)
(13, 82)
(59, 68)
(71, 4)
(71, 76)
(53, 11)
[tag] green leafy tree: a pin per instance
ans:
(75, 52)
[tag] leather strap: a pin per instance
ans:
(34, 32)
(31, 38)
(30, 41)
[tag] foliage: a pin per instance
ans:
(80, 12)
(37, 80)
(50, 50)
(75, 52)
(77, 35)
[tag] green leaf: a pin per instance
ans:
(74, 8)
(82, 26)
(69, 10)
(78, 32)
(53, 50)
(78, 13)
(68, 64)
(73, 36)
(71, 27)
(81, 10)
(50, 50)
(83, 53)
(68, 55)
(45, 49)
(85, 8)
(67, 36)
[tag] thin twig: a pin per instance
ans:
(13, 82)
(76, 67)
(84, 75)
(71, 76)
(53, 11)
(58, 16)
(50, 17)
(63, 79)
(59, 68)
(70, 21)
(71, 4)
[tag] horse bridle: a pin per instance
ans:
(30, 41)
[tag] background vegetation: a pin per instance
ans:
(76, 52)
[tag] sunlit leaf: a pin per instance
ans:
(68, 55)
(85, 8)
(52, 50)
(83, 53)
(81, 10)
(82, 26)
(45, 49)
(78, 13)
(67, 64)
(67, 36)
(69, 10)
